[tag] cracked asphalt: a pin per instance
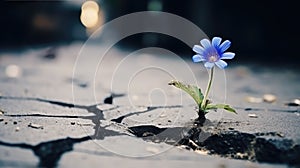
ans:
(73, 111)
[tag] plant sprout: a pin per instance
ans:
(212, 53)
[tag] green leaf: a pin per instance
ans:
(220, 106)
(194, 91)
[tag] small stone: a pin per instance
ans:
(156, 140)
(1, 119)
(230, 128)
(17, 129)
(252, 116)
(163, 115)
(5, 123)
(72, 123)
(241, 155)
(184, 147)
(269, 98)
(15, 122)
(201, 152)
(36, 126)
(254, 99)
(13, 71)
(295, 102)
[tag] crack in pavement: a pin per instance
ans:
(59, 103)
(231, 144)
(45, 115)
(49, 153)
(109, 99)
(148, 109)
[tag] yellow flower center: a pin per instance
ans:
(213, 58)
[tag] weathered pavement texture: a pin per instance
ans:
(80, 108)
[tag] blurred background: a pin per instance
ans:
(261, 31)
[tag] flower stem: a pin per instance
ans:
(204, 103)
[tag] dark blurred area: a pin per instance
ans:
(34, 23)
(260, 31)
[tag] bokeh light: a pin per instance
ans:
(89, 14)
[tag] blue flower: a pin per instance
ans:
(213, 52)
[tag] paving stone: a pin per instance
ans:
(51, 129)
(17, 157)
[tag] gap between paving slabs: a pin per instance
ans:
(230, 144)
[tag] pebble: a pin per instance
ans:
(163, 115)
(13, 71)
(17, 129)
(1, 119)
(15, 122)
(269, 98)
(201, 152)
(36, 126)
(184, 147)
(252, 116)
(241, 155)
(73, 123)
(295, 102)
(156, 140)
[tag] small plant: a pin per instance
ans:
(212, 53)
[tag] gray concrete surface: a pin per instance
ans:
(58, 112)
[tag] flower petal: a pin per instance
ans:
(221, 64)
(198, 58)
(216, 41)
(228, 55)
(209, 65)
(198, 49)
(205, 43)
(225, 45)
